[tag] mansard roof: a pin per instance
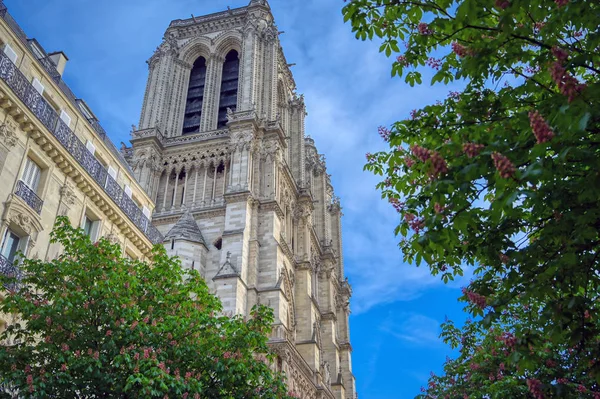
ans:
(187, 229)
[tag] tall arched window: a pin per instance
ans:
(195, 97)
(229, 86)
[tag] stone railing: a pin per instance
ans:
(10, 74)
(9, 269)
(29, 196)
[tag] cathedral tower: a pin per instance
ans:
(242, 194)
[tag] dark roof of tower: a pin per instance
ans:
(186, 228)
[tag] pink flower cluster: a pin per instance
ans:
(503, 165)
(396, 204)
(421, 153)
(535, 387)
(459, 49)
(434, 63)
(415, 223)
(370, 157)
(541, 130)
(439, 164)
(560, 4)
(475, 298)
(568, 85)
(560, 53)
(424, 29)
(402, 60)
(503, 4)
(384, 132)
(472, 149)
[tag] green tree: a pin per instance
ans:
(95, 324)
(502, 176)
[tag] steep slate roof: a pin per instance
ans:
(186, 228)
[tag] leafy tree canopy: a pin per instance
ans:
(502, 176)
(94, 324)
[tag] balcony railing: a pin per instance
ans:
(19, 84)
(9, 269)
(29, 196)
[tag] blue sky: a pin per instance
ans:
(397, 308)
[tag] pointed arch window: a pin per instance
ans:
(229, 86)
(195, 97)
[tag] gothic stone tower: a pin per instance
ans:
(241, 193)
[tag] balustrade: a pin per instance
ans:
(29, 196)
(10, 74)
(9, 269)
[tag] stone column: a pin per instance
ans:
(210, 106)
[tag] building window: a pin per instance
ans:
(10, 245)
(90, 226)
(195, 97)
(229, 87)
(31, 175)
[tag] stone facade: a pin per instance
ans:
(267, 223)
(55, 160)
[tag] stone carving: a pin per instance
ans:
(327, 370)
(22, 220)
(8, 133)
(67, 194)
(112, 238)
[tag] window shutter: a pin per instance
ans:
(65, 117)
(128, 191)
(10, 53)
(146, 212)
(31, 175)
(38, 86)
(90, 147)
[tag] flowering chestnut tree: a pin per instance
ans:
(94, 324)
(502, 176)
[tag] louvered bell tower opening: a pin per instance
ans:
(229, 87)
(195, 97)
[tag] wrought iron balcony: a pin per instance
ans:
(29, 196)
(20, 85)
(9, 269)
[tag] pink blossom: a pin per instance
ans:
(568, 85)
(560, 53)
(438, 208)
(421, 153)
(402, 60)
(424, 29)
(65, 347)
(108, 333)
(459, 49)
(504, 166)
(384, 132)
(439, 164)
(503, 4)
(560, 4)
(409, 161)
(472, 149)
(434, 63)
(541, 130)
(535, 387)
(63, 367)
(475, 298)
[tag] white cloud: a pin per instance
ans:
(412, 328)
